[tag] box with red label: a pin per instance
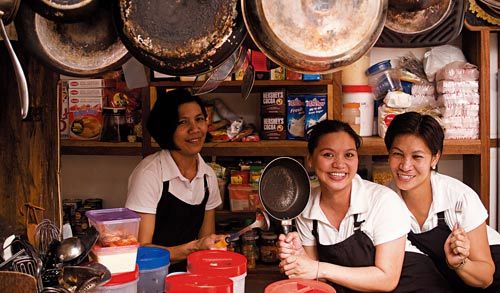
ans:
(91, 83)
(243, 197)
(88, 92)
(385, 117)
(85, 118)
(63, 100)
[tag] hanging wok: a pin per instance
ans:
(284, 190)
(314, 36)
(185, 37)
(86, 48)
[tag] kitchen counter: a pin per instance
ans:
(263, 275)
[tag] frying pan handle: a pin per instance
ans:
(286, 229)
(22, 86)
(287, 226)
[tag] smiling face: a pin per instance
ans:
(411, 162)
(335, 161)
(191, 130)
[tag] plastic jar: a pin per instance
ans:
(194, 283)
(121, 283)
(363, 95)
(220, 263)
(249, 248)
(299, 285)
(382, 78)
(352, 115)
(153, 267)
(268, 249)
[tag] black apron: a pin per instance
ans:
(418, 273)
(177, 222)
(432, 242)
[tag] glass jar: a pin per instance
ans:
(234, 245)
(268, 248)
(249, 248)
(115, 128)
(352, 115)
(381, 173)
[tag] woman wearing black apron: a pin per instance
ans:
(352, 232)
(448, 218)
(174, 190)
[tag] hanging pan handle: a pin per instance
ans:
(22, 86)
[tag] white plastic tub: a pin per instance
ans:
(118, 259)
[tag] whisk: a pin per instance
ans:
(45, 233)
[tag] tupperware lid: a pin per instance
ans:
(356, 89)
(195, 283)
(150, 258)
(113, 216)
(377, 67)
(217, 263)
(123, 278)
(299, 285)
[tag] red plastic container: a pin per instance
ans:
(299, 285)
(194, 283)
(221, 264)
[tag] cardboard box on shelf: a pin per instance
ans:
(63, 100)
(91, 83)
(85, 118)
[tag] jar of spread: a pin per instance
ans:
(268, 248)
(249, 248)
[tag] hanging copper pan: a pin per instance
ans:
(185, 37)
(314, 36)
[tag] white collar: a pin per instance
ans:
(172, 171)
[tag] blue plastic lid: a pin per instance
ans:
(150, 258)
(377, 67)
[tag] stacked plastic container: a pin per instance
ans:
(194, 283)
(117, 245)
(121, 283)
(153, 267)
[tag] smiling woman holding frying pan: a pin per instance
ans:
(352, 232)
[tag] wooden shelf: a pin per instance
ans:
(237, 83)
(73, 147)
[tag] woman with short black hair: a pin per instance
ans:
(173, 190)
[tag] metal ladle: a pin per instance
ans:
(8, 10)
(261, 222)
(70, 249)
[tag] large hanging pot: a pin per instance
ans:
(185, 37)
(86, 48)
(284, 190)
(314, 36)
(64, 10)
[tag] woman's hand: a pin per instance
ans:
(457, 247)
(209, 242)
(289, 245)
(300, 266)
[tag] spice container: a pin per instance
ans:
(249, 248)
(352, 115)
(268, 249)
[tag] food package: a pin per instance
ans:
(398, 99)
(460, 111)
(91, 83)
(273, 102)
(295, 116)
(385, 117)
(438, 57)
(454, 99)
(427, 89)
(458, 71)
(449, 86)
(273, 128)
(422, 101)
(315, 109)
(63, 99)
(85, 118)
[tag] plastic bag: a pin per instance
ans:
(438, 57)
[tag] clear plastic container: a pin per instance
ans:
(352, 115)
(117, 227)
(383, 78)
(153, 268)
(121, 283)
(118, 259)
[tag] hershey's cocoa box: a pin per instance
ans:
(273, 127)
(273, 103)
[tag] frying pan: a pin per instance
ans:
(180, 38)
(64, 10)
(284, 190)
(314, 36)
(84, 48)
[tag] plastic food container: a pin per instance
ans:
(194, 283)
(299, 285)
(363, 95)
(117, 227)
(382, 78)
(118, 259)
(121, 283)
(153, 267)
(221, 264)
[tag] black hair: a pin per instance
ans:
(330, 126)
(164, 116)
(423, 126)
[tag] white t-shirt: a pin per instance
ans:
(145, 184)
(381, 209)
(446, 191)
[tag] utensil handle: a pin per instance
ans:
(22, 86)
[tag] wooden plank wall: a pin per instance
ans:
(29, 150)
